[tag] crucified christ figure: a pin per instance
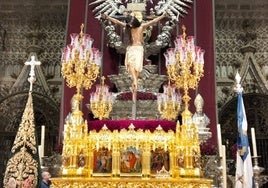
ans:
(134, 52)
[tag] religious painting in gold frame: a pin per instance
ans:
(102, 162)
(131, 162)
(159, 160)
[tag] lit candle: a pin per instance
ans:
(254, 142)
(219, 139)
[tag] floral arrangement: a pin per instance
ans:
(140, 96)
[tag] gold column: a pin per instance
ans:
(146, 161)
(116, 155)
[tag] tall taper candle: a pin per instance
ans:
(219, 139)
(224, 172)
(42, 140)
(253, 137)
(40, 153)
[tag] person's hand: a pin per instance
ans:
(104, 16)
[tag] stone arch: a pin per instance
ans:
(46, 112)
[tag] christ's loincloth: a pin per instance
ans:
(134, 58)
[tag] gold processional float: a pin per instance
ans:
(129, 157)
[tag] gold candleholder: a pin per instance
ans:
(185, 65)
(101, 101)
(80, 62)
(169, 102)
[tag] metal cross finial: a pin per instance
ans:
(238, 87)
(32, 63)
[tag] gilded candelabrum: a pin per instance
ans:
(101, 101)
(169, 103)
(185, 65)
(80, 62)
(185, 68)
(80, 68)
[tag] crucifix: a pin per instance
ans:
(32, 63)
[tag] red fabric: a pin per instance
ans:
(205, 39)
(139, 124)
(75, 18)
(201, 22)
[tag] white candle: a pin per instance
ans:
(40, 154)
(224, 179)
(39, 151)
(253, 137)
(219, 139)
(42, 140)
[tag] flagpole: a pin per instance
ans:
(244, 175)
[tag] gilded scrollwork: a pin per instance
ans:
(130, 183)
(24, 163)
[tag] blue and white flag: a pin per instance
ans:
(244, 170)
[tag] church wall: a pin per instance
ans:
(20, 21)
(241, 45)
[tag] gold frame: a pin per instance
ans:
(183, 145)
(102, 160)
(131, 157)
(162, 156)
